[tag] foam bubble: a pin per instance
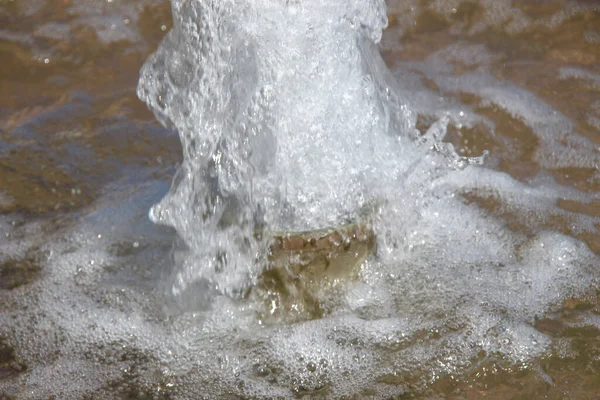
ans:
(509, 17)
(560, 148)
(593, 80)
(281, 132)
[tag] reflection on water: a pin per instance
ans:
(83, 272)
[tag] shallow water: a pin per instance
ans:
(493, 292)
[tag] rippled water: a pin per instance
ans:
(482, 280)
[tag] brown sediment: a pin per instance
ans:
(305, 267)
(330, 254)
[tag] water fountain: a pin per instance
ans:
(330, 241)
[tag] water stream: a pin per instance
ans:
(330, 232)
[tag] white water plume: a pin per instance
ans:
(289, 121)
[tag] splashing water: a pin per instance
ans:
(290, 121)
(288, 118)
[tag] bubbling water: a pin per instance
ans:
(289, 121)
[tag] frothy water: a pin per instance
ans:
(290, 121)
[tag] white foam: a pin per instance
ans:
(294, 129)
(593, 121)
(301, 134)
(112, 21)
(560, 146)
(593, 80)
(504, 15)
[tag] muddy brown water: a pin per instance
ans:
(72, 128)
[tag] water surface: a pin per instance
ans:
(489, 287)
